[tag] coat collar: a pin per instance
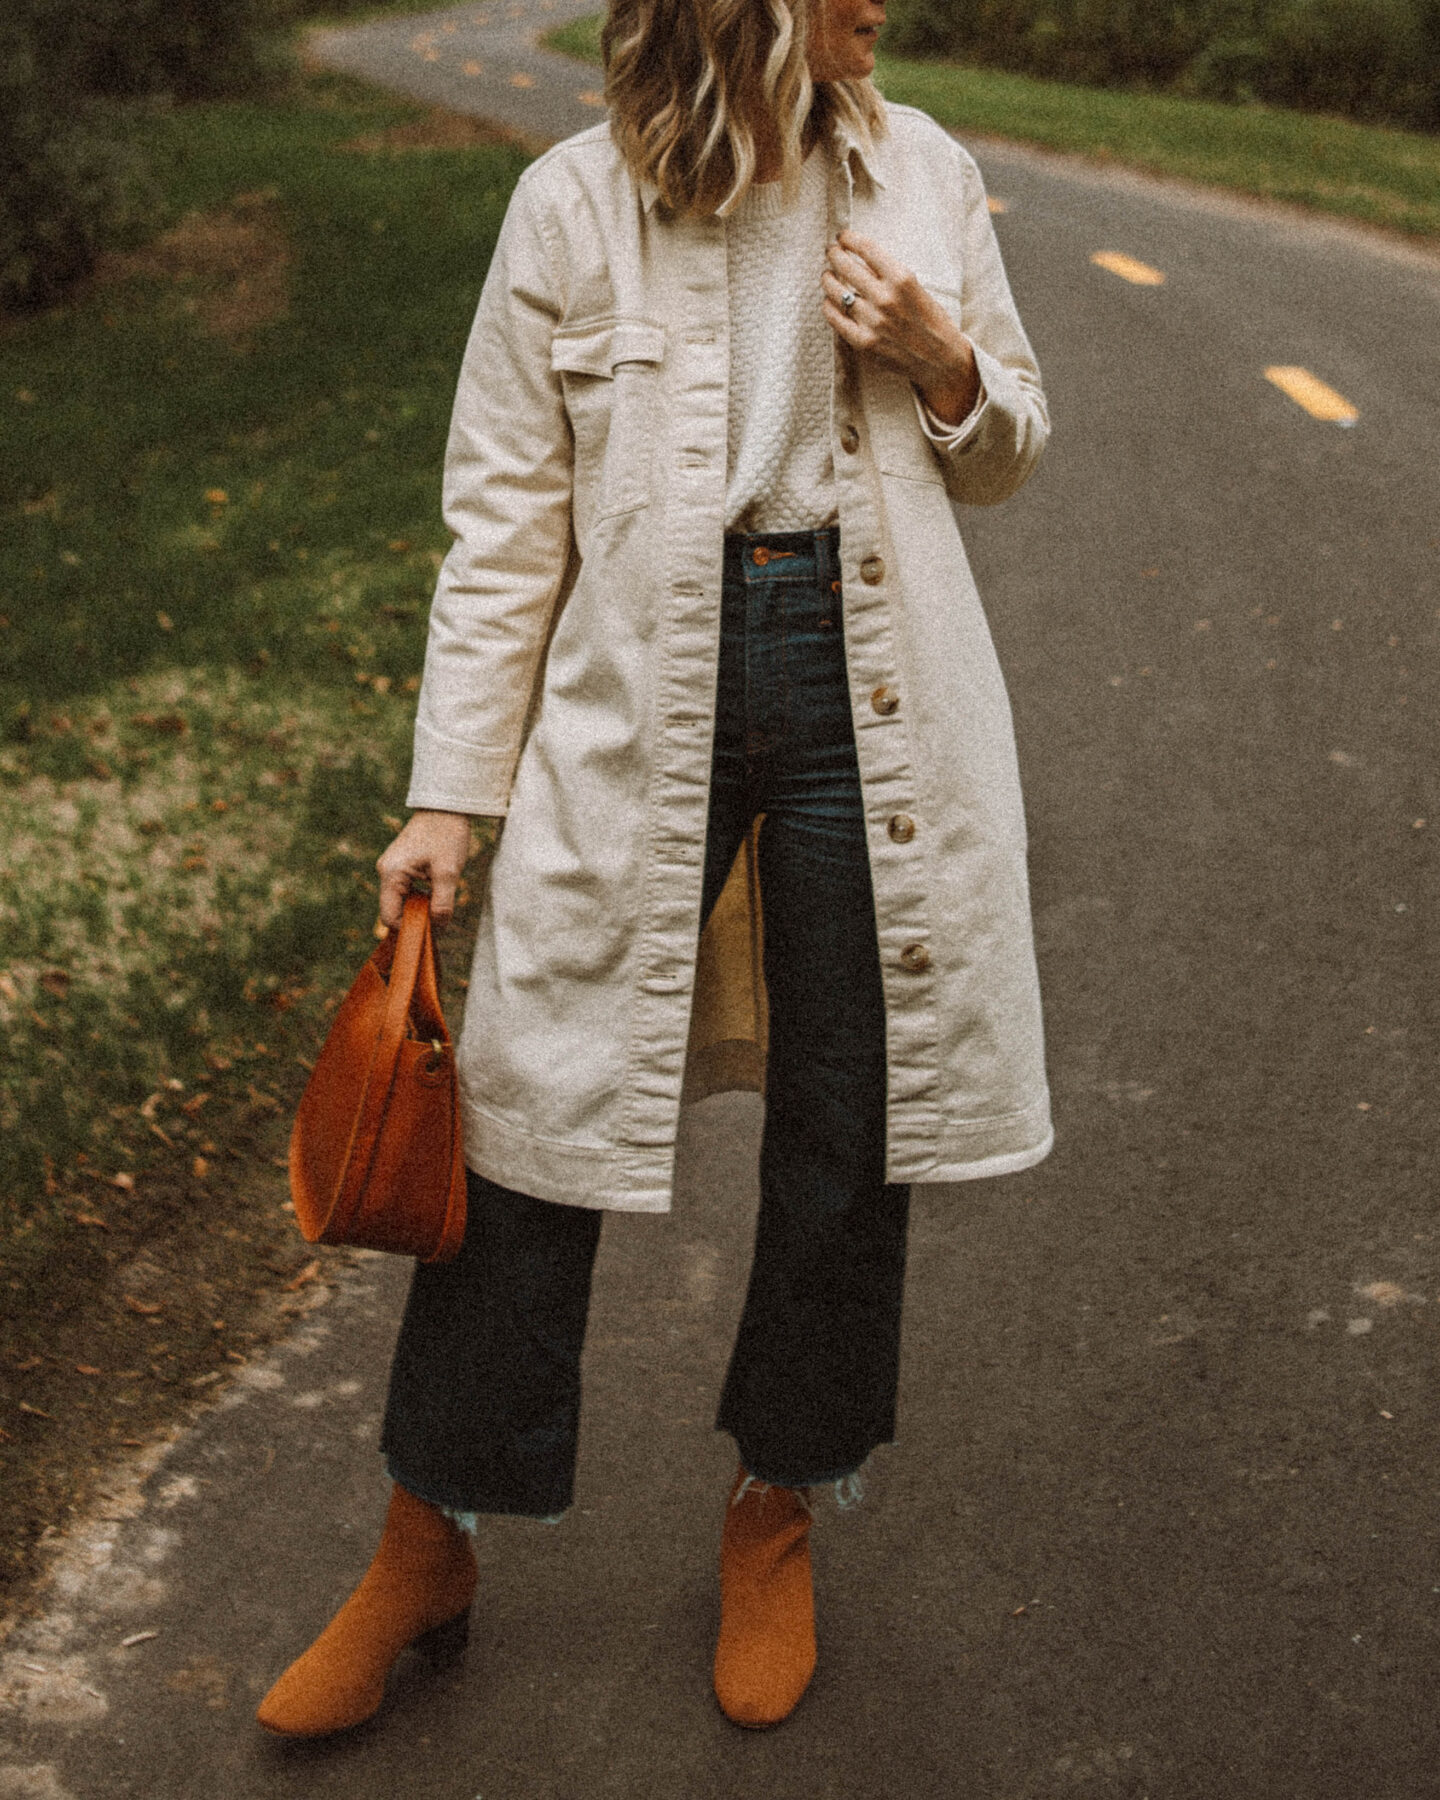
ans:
(845, 147)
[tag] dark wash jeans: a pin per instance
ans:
(484, 1405)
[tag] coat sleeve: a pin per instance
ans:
(508, 477)
(991, 453)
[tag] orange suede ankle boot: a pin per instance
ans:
(417, 1591)
(766, 1653)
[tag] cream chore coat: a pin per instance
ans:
(570, 683)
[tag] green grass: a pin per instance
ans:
(216, 554)
(1365, 173)
(579, 38)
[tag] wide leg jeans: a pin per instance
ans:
(484, 1403)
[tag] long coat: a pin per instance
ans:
(571, 670)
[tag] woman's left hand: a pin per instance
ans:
(897, 321)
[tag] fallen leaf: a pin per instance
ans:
(92, 1220)
(56, 982)
(137, 1637)
(164, 621)
(8, 988)
(124, 1181)
(199, 1168)
(308, 1273)
(87, 1369)
(36, 1412)
(217, 496)
(146, 1308)
(193, 1105)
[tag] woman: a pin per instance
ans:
(737, 353)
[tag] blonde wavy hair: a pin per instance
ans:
(692, 86)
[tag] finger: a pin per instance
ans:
(394, 886)
(886, 266)
(853, 271)
(443, 885)
(858, 337)
(861, 313)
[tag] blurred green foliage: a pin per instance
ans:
(1377, 60)
(216, 555)
(76, 77)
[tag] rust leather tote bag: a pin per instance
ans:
(375, 1155)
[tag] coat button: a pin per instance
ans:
(872, 571)
(849, 440)
(901, 828)
(885, 701)
(916, 958)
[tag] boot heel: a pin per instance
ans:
(445, 1644)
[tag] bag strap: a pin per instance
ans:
(413, 957)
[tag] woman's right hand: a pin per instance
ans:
(435, 847)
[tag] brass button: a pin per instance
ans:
(760, 556)
(872, 571)
(885, 701)
(916, 958)
(849, 440)
(901, 828)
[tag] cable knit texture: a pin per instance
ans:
(781, 476)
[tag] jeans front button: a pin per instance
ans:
(901, 829)
(916, 958)
(872, 571)
(885, 701)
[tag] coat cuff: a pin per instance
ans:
(946, 437)
(447, 776)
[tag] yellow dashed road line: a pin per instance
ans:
(1127, 268)
(1307, 390)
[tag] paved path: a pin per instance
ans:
(1163, 1520)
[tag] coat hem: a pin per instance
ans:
(604, 1177)
(639, 1178)
(1009, 1162)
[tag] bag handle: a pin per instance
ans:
(412, 957)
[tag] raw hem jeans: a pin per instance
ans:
(484, 1403)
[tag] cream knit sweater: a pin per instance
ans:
(780, 474)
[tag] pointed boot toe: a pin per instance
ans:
(416, 1592)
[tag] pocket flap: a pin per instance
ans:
(597, 349)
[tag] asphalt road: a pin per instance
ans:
(1163, 1517)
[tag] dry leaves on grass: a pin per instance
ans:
(230, 267)
(439, 129)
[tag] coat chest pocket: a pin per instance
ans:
(609, 373)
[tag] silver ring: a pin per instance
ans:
(847, 299)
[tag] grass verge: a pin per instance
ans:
(1364, 173)
(219, 528)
